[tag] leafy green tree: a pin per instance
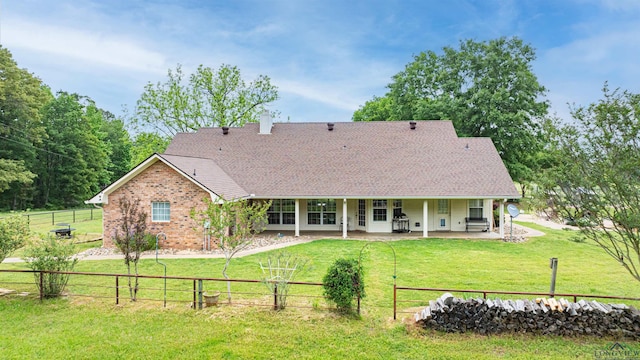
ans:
(232, 224)
(209, 98)
(73, 165)
(119, 146)
(377, 109)
(595, 180)
(145, 145)
(21, 131)
(488, 89)
(14, 171)
(14, 232)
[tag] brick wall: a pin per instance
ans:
(159, 183)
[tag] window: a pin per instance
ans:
(160, 211)
(379, 210)
(475, 208)
(282, 211)
(321, 212)
(443, 206)
(397, 208)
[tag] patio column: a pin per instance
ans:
(425, 219)
(345, 219)
(502, 218)
(297, 217)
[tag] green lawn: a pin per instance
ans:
(96, 328)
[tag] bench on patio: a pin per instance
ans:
(476, 222)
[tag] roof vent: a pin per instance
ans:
(330, 126)
(225, 130)
(412, 125)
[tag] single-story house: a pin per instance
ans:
(376, 177)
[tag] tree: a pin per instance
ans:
(119, 146)
(487, 89)
(132, 239)
(209, 98)
(14, 232)
(73, 165)
(145, 145)
(14, 171)
(233, 224)
(21, 131)
(596, 178)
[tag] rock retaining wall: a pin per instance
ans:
(542, 316)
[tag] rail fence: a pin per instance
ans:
(62, 216)
(191, 291)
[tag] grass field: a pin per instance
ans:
(96, 328)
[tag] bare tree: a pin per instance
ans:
(131, 239)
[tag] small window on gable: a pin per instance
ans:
(160, 211)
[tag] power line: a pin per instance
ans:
(37, 148)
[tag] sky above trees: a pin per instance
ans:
(327, 57)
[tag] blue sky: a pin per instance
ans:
(326, 57)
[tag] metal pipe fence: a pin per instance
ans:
(246, 292)
(182, 289)
(62, 216)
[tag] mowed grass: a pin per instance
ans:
(97, 328)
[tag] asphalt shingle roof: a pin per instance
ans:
(355, 160)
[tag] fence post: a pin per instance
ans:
(41, 287)
(194, 295)
(117, 289)
(553, 264)
(275, 296)
(74, 215)
(200, 294)
(395, 297)
(53, 218)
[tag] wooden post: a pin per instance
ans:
(117, 289)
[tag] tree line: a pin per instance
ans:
(59, 149)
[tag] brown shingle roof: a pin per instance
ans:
(208, 174)
(356, 159)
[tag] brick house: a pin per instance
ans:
(378, 177)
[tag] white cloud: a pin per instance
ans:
(83, 46)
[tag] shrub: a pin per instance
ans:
(343, 283)
(14, 231)
(51, 254)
